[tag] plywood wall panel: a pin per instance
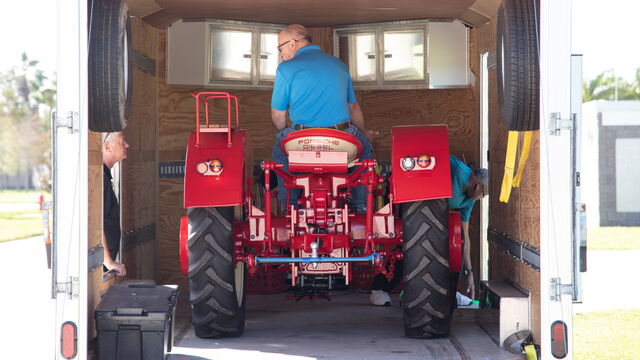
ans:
(170, 210)
(138, 196)
(94, 225)
(453, 107)
(322, 37)
(139, 170)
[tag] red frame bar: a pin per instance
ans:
(215, 95)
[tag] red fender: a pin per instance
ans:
(184, 252)
(420, 143)
(455, 242)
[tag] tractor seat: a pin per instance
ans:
(323, 139)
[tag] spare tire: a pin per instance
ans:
(518, 64)
(110, 71)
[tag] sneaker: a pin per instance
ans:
(380, 298)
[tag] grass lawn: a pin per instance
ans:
(614, 238)
(22, 220)
(607, 335)
(20, 224)
(21, 196)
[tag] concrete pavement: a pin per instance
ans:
(26, 308)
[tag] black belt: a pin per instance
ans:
(339, 126)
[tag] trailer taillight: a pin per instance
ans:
(216, 167)
(424, 160)
(69, 340)
(559, 339)
(408, 163)
(210, 167)
(202, 167)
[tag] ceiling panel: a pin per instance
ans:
(309, 12)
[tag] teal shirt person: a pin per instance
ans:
(315, 87)
(460, 174)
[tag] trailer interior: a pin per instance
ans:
(162, 117)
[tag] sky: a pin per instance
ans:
(602, 30)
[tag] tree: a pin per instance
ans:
(26, 102)
(606, 86)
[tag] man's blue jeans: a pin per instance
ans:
(358, 200)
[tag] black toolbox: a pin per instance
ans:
(136, 322)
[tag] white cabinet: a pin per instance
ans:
(229, 54)
(405, 55)
(448, 59)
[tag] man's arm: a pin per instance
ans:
(357, 119)
(467, 258)
(279, 118)
(108, 262)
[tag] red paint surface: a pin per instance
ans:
(184, 252)
(455, 241)
(414, 141)
(225, 189)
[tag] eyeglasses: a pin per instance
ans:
(285, 43)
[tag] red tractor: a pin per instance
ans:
(226, 234)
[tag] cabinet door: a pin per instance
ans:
(448, 61)
(230, 55)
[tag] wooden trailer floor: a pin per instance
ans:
(347, 327)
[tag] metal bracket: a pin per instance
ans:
(557, 123)
(71, 287)
(96, 257)
(558, 289)
(71, 121)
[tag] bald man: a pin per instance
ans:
(114, 149)
(316, 90)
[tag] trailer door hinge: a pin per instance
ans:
(557, 123)
(71, 121)
(70, 287)
(558, 289)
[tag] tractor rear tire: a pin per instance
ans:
(427, 298)
(217, 285)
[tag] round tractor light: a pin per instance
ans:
(215, 166)
(424, 160)
(202, 167)
(408, 163)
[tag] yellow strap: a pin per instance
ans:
(524, 155)
(509, 165)
(530, 351)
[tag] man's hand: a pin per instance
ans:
(371, 134)
(117, 267)
(471, 289)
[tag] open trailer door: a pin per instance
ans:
(556, 179)
(69, 130)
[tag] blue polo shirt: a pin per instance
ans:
(460, 174)
(315, 87)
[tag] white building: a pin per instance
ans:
(610, 177)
